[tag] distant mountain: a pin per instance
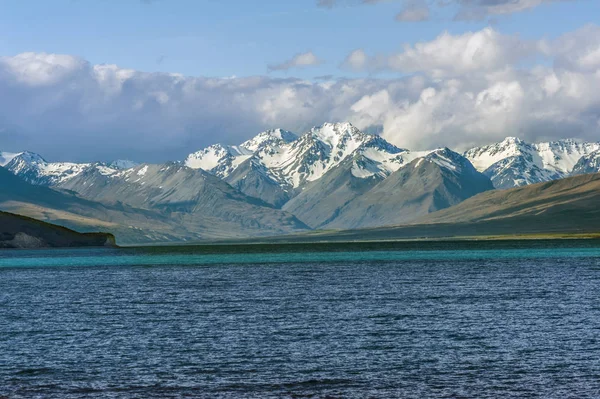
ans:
(34, 169)
(221, 160)
(269, 138)
(253, 178)
(319, 150)
(320, 202)
(332, 176)
(552, 209)
(276, 165)
(194, 199)
(550, 206)
(515, 163)
(18, 231)
(439, 180)
(129, 224)
(589, 163)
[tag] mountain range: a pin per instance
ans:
(332, 177)
(559, 208)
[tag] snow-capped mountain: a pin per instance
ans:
(332, 176)
(514, 162)
(219, 160)
(199, 202)
(274, 137)
(588, 164)
(292, 161)
(428, 183)
(34, 169)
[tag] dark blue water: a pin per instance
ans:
(442, 323)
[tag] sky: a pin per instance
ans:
(153, 80)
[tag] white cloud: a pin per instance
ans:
(301, 60)
(579, 50)
(450, 55)
(356, 60)
(466, 89)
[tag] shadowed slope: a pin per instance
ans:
(18, 231)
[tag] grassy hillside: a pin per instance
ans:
(22, 232)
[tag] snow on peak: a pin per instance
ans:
(514, 162)
(589, 163)
(336, 134)
(448, 159)
(558, 156)
(267, 138)
(484, 157)
(292, 160)
(313, 154)
(562, 155)
(36, 170)
(511, 140)
(217, 159)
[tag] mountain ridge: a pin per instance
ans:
(332, 176)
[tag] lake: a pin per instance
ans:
(411, 320)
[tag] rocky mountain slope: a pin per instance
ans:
(195, 199)
(18, 231)
(572, 201)
(166, 218)
(439, 180)
(130, 225)
(563, 207)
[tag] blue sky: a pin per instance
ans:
(241, 37)
(152, 80)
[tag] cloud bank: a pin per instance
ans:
(456, 90)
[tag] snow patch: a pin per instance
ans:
(142, 171)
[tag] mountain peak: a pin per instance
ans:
(30, 157)
(331, 133)
(448, 159)
(269, 137)
(512, 140)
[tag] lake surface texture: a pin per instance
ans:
(446, 320)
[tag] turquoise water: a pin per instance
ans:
(414, 320)
(149, 257)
